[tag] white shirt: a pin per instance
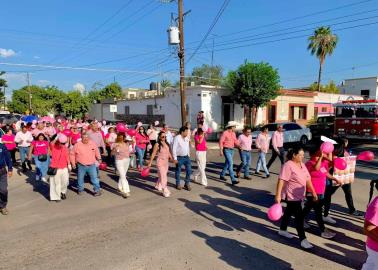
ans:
(180, 147)
(169, 137)
(26, 138)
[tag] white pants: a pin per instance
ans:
(122, 166)
(371, 261)
(59, 184)
(201, 163)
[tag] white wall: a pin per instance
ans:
(334, 98)
(354, 86)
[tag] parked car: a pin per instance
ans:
(293, 133)
(325, 126)
(8, 119)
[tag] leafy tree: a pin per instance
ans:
(165, 83)
(321, 44)
(328, 88)
(113, 90)
(3, 84)
(75, 104)
(254, 85)
(206, 74)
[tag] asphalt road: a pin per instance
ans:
(218, 227)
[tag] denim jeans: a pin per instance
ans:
(24, 151)
(229, 163)
(82, 171)
(262, 162)
(140, 155)
(41, 167)
(188, 169)
(245, 157)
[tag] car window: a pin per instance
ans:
(291, 126)
(271, 127)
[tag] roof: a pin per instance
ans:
(373, 77)
(297, 92)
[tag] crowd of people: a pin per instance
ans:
(59, 146)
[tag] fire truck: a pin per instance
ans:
(357, 119)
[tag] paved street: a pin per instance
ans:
(218, 227)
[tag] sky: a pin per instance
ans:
(126, 40)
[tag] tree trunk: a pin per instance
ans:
(250, 116)
(254, 118)
(320, 74)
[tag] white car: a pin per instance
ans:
(292, 132)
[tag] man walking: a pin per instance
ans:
(5, 162)
(84, 155)
(278, 149)
(181, 152)
(245, 141)
(227, 143)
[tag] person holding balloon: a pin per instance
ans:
(120, 150)
(293, 181)
(161, 149)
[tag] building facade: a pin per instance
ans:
(365, 87)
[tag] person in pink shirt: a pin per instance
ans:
(38, 130)
(110, 139)
(142, 140)
(39, 150)
(291, 186)
(371, 230)
(227, 143)
(49, 130)
(201, 148)
(121, 152)
(75, 136)
(245, 141)
(262, 144)
(96, 136)
(277, 144)
(8, 140)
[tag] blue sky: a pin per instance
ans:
(77, 33)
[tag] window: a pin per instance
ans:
(366, 111)
(131, 96)
(324, 109)
(316, 111)
(345, 111)
(127, 110)
(365, 93)
(302, 112)
(150, 109)
(288, 127)
(271, 127)
(298, 112)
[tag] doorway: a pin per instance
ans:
(228, 112)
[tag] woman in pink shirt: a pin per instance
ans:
(200, 142)
(75, 135)
(39, 150)
(120, 150)
(291, 186)
(60, 161)
(142, 141)
(262, 144)
(8, 141)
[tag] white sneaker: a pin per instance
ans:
(285, 234)
(328, 234)
(329, 220)
(306, 244)
(44, 180)
(306, 225)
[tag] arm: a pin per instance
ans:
(174, 148)
(318, 163)
(154, 152)
(274, 142)
(73, 156)
(310, 187)
(97, 153)
(17, 138)
(279, 187)
(30, 151)
(221, 142)
(371, 230)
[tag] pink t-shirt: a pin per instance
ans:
(122, 151)
(372, 217)
(228, 139)
(318, 178)
(75, 137)
(200, 146)
(295, 178)
(40, 147)
(10, 145)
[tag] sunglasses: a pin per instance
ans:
(162, 137)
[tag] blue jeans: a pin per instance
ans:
(82, 171)
(245, 157)
(188, 169)
(262, 162)
(24, 151)
(140, 156)
(41, 167)
(229, 163)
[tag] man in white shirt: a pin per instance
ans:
(181, 152)
(24, 138)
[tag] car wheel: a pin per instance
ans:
(304, 140)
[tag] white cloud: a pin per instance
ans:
(36, 57)
(79, 87)
(5, 53)
(43, 82)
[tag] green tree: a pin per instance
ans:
(113, 90)
(254, 85)
(208, 75)
(165, 83)
(321, 44)
(331, 87)
(75, 104)
(3, 84)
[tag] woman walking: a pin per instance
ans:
(24, 138)
(142, 141)
(61, 162)
(161, 149)
(8, 140)
(200, 144)
(291, 186)
(120, 150)
(39, 150)
(262, 144)
(152, 133)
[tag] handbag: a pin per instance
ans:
(52, 171)
(42, 158)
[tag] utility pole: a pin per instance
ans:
(30, 95)
(181, 55)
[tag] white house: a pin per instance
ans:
(366, 87)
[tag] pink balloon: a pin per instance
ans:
(327, 147)
(366, 156)
(209, 130)
(62, 138)
(132, 132)
(103, 166)
(340, 164)
(145, 172)
(67, 132)
(275, 212)
(120, 127)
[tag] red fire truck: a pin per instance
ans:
(357, 119)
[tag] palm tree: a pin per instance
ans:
(321, 44)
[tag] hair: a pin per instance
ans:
(183, 129)
(120, 138)
(264, 128)
(199, 131)
(186, 124)
(293, 151)
(144, 130)
(314, 150)
(159, 141)
(41, 134)
(372, 184)
(246, 128)
(111, 128)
